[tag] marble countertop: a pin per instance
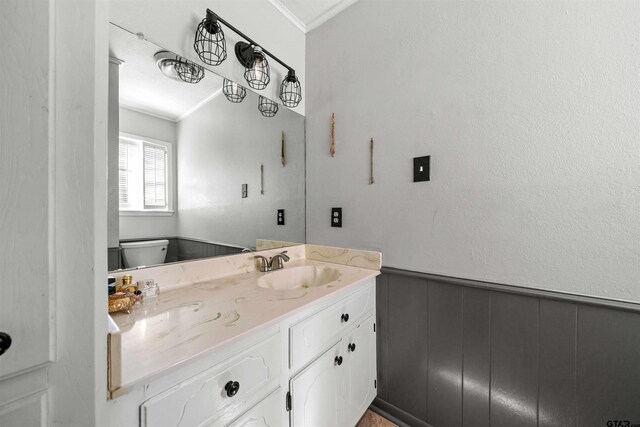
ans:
(198, 318)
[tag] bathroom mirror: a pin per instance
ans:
(188, 166)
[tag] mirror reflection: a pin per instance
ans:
(199, 166)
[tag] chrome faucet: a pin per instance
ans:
(273, 263)
(264, 265)
(282, 256)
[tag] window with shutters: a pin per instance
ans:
(144, 175)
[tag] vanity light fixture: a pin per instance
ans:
(211, 48)
(290, 90)
(267, 107)
(189, 71)
(233, 91)
(210, 44)
(256, 73)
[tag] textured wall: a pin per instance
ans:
(113, 200)
(530, 113)
(221, 147)
(141, 124)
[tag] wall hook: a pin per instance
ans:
(371, 180)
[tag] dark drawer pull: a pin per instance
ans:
(352, 347)
(232, 388)
(345, 318)
(5, 342)
(338, 360)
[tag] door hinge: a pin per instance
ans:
(375, 383)
(374, 327)
(288, 402)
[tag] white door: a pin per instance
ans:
(359, 348)
(317, 393)
(25, 262)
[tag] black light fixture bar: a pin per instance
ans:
(247, 38)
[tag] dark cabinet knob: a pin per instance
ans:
(338, 360)
(352, 347)
(345, 318)
(5, 342)
(232, 388)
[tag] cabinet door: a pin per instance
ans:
(359, 348)
(317, 393)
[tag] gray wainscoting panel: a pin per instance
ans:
(382, 334)
(114, 259)
(476, 358)
(172, 250)
(557, 406)
(608, 371)
(190, 249)
(444, 344)
(408, 345)
(459, 352)
(514, 360)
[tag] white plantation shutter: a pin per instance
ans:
(126, 148)
(155, 176)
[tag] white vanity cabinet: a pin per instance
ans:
(339, 384)
(313, 367)
(217, 396)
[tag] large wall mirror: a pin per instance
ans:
(190, 167)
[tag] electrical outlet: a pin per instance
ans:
(421, 168)
(336, 217)
(244, 191)
(280, 216)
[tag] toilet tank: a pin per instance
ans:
(148, 252)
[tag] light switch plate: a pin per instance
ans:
(280, 216)
(244, 191)
(421, 169)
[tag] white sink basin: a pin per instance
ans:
(298, 277)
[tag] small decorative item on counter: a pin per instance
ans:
(127, 284)
(121, 301)
(150, 290)
(111, 283)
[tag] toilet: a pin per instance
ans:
(149, 252)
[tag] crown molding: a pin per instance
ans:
(289, 15)
(199, 105)
(336, 9)
(146, 112)
(329, 14)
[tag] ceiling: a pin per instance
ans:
(309, 14)
(144, 88)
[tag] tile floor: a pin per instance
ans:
(371, 419)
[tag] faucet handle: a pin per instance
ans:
(265, 263)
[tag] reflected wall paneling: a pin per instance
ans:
(454, 352)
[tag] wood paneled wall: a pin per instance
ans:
(455, 352)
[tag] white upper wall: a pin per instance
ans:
(531, 114)
(172, 25)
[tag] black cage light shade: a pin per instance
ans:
(267, 107)
(233, 91)
(290, 90)
(210, 44)
(257, 72)
(188, 71)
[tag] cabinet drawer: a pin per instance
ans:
(314, 334)
(208, 398)
(267, 413)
